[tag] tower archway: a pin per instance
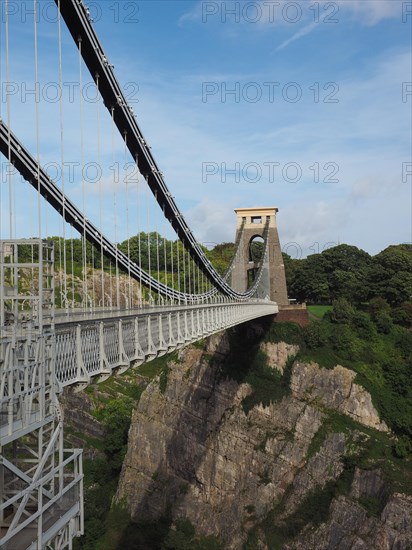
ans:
(256, 249)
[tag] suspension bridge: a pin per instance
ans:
(81, 306)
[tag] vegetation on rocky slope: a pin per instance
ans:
(379, 352)
(366, 329)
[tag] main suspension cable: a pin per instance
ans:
(9, 121)
(130, 305)
(83, 237)
(100, 192)
(37, 99)
(62, 157)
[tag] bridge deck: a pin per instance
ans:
(95, 345)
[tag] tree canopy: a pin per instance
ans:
(348, 272)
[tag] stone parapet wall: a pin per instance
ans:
(296, 313)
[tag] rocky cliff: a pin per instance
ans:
(80, 424)
(275, 475)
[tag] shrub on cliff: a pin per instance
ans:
(379, 351)
(116, 415)
(316, 335)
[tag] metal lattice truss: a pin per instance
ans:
(40, 481)
(42, 490)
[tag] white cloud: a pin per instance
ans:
(259, 13)
(366, 139)
(221, 221)
(366, 133)
(372, 12)
(375, 213)
(193, 15)
(302, 32)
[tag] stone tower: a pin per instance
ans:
(254, 220)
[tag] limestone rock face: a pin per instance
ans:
(324, 466)
(278, 354)
(193, 450)
(369, 484)
(335, 389)
(349, 527)
(76, 411)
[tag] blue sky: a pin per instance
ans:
(316, 123)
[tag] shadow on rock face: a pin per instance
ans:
(172, 432)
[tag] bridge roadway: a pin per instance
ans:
(93, 346)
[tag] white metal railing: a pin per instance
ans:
(97, 347)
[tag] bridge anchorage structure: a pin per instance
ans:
(54, 334)
(41, 482)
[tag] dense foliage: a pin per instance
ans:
(101, 472)
(150, 250)
(372, 342)
(380, 351)
(348, 272)
(343, 271)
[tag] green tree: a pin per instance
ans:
(116, 416)
(378, 305)
(316, 334)
(347, 272)
(309, 280)
(339, 272)
(342, 311)
(391, 274)
(221, 256)
(402, 315)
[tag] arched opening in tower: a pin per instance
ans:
(256, 252)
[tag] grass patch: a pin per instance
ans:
(154, 368)
(324, 356)
(126, 384)
(288, 332)
(318, 311)
(333, 423)
(199, 344)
